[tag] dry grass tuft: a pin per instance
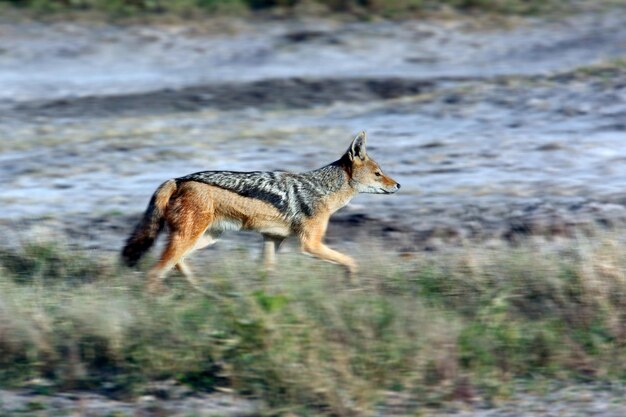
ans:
(436, 327)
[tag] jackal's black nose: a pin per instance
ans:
(398, 186)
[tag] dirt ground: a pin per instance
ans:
(571, 401)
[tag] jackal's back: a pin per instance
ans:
(296, 196)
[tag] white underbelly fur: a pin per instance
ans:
(225, 225)
(277, 230)
(233, 225)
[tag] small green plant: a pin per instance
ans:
(34, 406)
(117, 414)
(47, 263)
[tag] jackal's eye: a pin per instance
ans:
(378, 174)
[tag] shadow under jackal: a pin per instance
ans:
(198, 207)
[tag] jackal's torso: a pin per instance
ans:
(295, 196)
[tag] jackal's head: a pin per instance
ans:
(365, 174)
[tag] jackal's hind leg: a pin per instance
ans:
(202, 242)
(182, 266)
(178, 246)
(206, 239)
(184, 269)
(186, 272)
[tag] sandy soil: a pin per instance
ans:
(583, 400)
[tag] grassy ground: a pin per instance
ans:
(388, 8)
(433, 327)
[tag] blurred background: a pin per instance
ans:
(504, 121)
(494, 122)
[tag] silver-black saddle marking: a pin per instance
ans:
(294, 195)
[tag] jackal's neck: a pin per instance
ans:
(331, 177)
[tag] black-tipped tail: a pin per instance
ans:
(148, 228)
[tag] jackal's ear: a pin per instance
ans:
(357, 147)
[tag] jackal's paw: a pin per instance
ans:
(269, 268)
(155, 289)
(352, 272)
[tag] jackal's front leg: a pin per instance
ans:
(270, 247)
(311, 238)
(325, 253)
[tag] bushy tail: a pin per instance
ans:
(149, 226)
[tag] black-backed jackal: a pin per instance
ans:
(197, 208)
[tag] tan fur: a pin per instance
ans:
(311, 239)
(196, 213)
(164, 193)
(191, 212)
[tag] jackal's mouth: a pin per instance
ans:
(392, 190)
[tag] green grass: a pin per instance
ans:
(603, 70)
(388, 8)
(305, 341)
